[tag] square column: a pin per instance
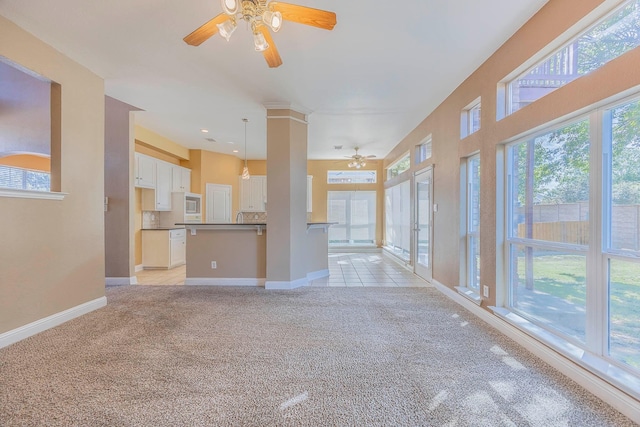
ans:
(287, 199)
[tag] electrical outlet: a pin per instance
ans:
(214, 264)
(485, 291)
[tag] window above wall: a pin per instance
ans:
(470, 118)
(607, 38)
(352, 177)
(423, 150)
(399, 166)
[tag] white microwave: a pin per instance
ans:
(192, 204)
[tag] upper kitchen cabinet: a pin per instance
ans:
(253, 194)
(163, 186)
(145, 171)
(181, 179)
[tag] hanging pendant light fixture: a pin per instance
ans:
(245, 170)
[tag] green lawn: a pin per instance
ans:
(564, 277)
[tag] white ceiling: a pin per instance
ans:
(367, 83)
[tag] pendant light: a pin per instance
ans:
(245, 170)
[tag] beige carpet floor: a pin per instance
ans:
(205, 356)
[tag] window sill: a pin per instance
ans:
(30, 194)
(622, 379)
(469, 294)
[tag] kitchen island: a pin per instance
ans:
(230, 254)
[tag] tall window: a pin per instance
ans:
(473, 223)
(398, 220)
(608, 38)
(561, 275)
(354, 213)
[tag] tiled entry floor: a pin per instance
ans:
(346, 269)
(367, 269)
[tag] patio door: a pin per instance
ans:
(422, 226)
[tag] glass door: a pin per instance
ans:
(422, 227)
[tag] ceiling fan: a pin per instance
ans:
(357, 160)
(261, 15)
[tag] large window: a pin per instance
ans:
(562, 276)
(398, 220)
(24, 179)
(354, 213)
(610, 37)
(473, 223)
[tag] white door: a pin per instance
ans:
(422, 227)
(218, 203)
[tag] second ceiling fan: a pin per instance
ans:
(261, 15)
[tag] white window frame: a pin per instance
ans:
(395, 164)
(426, 146)
(467, 126)
(598, 15)
(366, 172)
(348, 226)
(594, 353)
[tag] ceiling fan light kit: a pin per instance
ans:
(261, 15)
(358, 161)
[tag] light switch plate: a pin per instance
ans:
(485, 291)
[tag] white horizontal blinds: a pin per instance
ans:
(24, 179)
(355, 215)
(352, 177)
(608, 38)
(398, 220)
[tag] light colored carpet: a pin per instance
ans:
(206, 356)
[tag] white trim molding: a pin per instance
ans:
(602, 389)
(49, 322)
(30, 194)
(223, 281)
(120, 281)
(317, 275)
(286, 285)
(139, 268)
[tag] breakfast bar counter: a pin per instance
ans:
(234, 254)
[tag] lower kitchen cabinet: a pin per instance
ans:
(163, 248)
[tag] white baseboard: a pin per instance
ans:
(49, 322)
(317, 275)
(599, 387)
(121, 281)
(353, 249)
(285, 285)
(139, 268)
(215, 281)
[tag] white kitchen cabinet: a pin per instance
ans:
(163, 186)
(253, 194)
(181, 179)
(144, 171)
(309, 193)
(163, 248)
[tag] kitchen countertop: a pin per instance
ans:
(177, 227)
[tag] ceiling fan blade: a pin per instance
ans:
(305, 15)
(271, 55)
(205, 31)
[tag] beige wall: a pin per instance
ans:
(208, 167)
(443, 124)
(56, 257)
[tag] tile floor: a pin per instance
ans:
(346, 269)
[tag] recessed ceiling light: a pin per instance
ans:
(204, 130)
(230, 142)
(235, 151)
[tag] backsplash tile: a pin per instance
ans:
(254, 217)
(150, 219)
